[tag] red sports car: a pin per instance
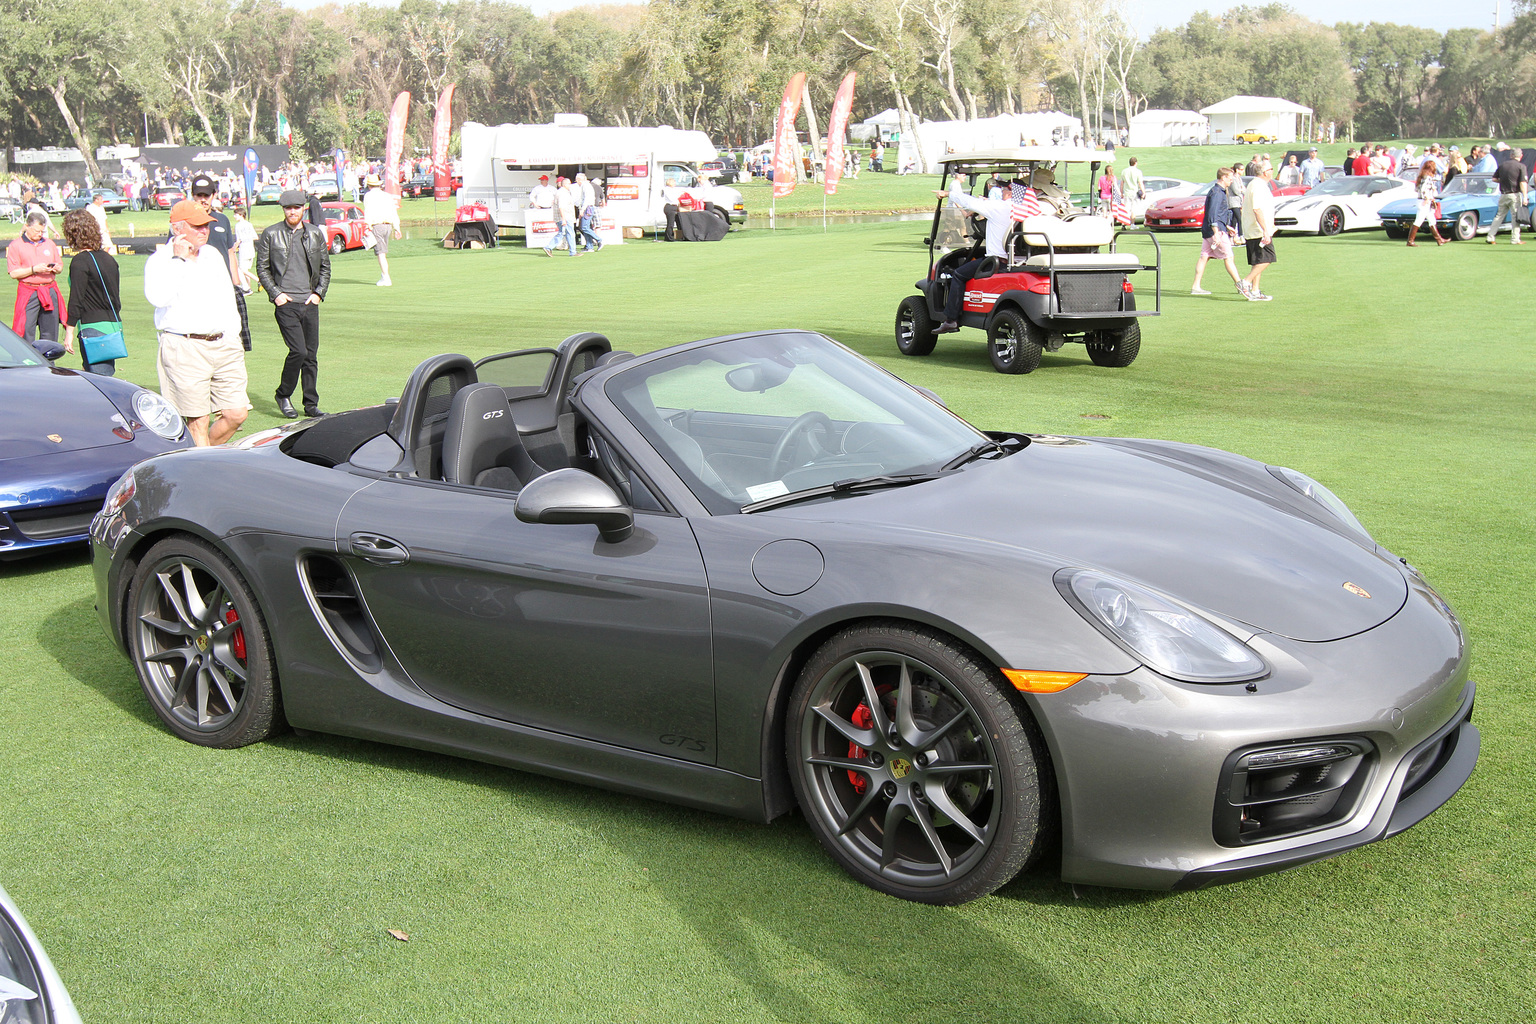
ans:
(1189, 211)
(166, 196)
(344, 226)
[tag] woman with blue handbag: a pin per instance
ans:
(94, 304)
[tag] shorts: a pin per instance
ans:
(1217, 247)
(199, 377)
(1259, 253)
(382, 233)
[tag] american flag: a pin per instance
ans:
(1119, 211)
(1025, 202)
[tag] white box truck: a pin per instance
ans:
(640, 170)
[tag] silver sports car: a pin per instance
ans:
(758, 572)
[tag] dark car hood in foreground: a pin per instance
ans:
(1182, 519)
(36, 401)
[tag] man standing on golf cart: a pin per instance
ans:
(998, 213)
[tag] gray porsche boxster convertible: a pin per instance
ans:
(758, 572)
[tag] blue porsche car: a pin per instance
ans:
(1467, 206)
(65, 437)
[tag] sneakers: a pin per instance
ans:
(383, 282)
(1254, 295)
(1198, 291)
(549, 252)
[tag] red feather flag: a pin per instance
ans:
(784, 137)
(442, 128)
(836, 125)
(394, 142)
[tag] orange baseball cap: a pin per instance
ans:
(190, 211)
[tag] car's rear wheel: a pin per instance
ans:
(1466, 226)
(1013, 343)
(1115, 348)
(915, 769)
(338, 244)
(1331, 222)
(914, 327)
(200, 646)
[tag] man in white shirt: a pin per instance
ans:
(542, 196)
(998, 214)
(381, 210)
(201, 362)
(98, 211)
(1259, 229)
(1311, 169)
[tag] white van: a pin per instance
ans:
(639, 169)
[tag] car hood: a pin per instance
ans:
(1205, 527)
(38, 404)
(1179, 205)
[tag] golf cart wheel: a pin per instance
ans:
(1115, 348)
(1013, 343)
(338, 245)
(1466, 226)
(914, 327)
(912, 765)
(1331, 222)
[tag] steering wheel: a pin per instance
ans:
(976, 227)
(789, 441)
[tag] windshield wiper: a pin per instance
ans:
(853, 485)
(972, 453)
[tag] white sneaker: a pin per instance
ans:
(1198, 291)
(383, 282)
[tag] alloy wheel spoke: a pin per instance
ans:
(925, 823)
(957, 767)
(857, 815)
(862, 737)
(852, 764)
(202, 696)
(184, 680)
(222, 682)
(178, 603)
(906, 724)
(895, 814)
(167, 626)
(186, 653)
(882, 725)
(940, 799)
(933, 736)
(194, 597)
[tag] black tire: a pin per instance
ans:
(1115, 348)
(1013, 343)
(338, 245)
(209, 677)
(889, 799)
(1394, 230)
(914, 327)
(1331, 222)
(722, 215)
(1465, 228)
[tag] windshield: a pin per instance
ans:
(1472, 184)
(749, 419)
(15, 352)
(1348, 186)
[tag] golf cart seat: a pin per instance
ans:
(1085, 261)
(1047, 231)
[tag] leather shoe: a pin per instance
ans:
(286, 408)
(313, 412)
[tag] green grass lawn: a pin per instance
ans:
(173, 883)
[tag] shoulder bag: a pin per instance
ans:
(102, 342)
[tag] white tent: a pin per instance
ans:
(1266, 115)
(1169, 128)
(1008, 131)
(885, 122)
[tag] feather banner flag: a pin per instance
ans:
(442, 128)
(395, 142)
(784, 172)
(836, 126)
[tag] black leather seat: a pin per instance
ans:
(481, 445)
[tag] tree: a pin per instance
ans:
(1392, 66)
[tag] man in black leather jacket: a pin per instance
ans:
(294, 265)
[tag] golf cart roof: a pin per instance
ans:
(985, 159)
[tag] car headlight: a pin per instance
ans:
(1320, 494)
(1168, 637)
(156, 413)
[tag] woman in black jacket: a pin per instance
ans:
(93, 285)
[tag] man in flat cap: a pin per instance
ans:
(201, 362)
(294, 266)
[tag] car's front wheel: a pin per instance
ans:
(914, 327)
(338, 244)
(1013, 343)
(1466, 226)
(200, 646)
(915, 769)
(1115, 348)
(1331, 222)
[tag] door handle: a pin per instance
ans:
(371, 547)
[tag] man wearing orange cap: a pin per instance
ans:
(201, 361)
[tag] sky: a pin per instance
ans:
(1149, 15)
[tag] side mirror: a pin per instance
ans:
(574, 497)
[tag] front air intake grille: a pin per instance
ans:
(1090, 292)
(56, 520)
(1277, 791)
(334, 598)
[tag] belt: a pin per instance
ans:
(196, 337)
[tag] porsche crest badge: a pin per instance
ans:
(1358, 591)
(55, 438)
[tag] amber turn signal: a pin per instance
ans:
(1042, 682)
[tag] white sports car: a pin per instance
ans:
(1161, 188)
(1344, 203)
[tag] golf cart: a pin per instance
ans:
(1063, 278)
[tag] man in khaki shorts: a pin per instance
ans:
(201, 361)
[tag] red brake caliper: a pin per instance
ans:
(864, 719)
(238, 640)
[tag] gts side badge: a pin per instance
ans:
(494, 414)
